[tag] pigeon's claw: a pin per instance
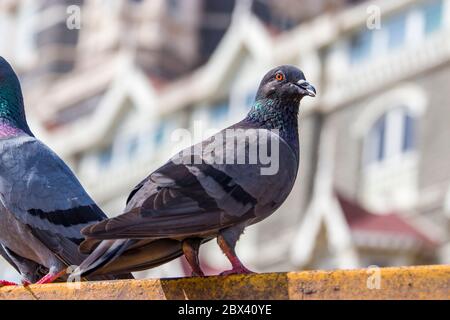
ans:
(237, 270)
(4, 283)
(228, 249)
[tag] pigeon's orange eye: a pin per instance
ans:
(279, 76)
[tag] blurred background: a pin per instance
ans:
(106, 82)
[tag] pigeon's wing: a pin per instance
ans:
(172, 194)
(136, 189)
(198, 193)
(43, 193)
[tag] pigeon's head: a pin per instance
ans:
(285, 83)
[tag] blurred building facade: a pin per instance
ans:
(374, 181)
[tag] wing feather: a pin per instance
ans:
(182, 198)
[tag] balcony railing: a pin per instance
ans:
(394, 67)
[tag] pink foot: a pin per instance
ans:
(25, 283)
(49, 278)
(4, 283)
(238, 270)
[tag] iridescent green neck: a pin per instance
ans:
(12, 112)
(274, 114)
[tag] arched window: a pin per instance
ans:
(387, 128)
(392, 135)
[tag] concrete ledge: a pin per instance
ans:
(430, 282)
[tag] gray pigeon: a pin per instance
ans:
(43, 207)
(214, 189)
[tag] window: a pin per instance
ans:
(160, 133)
(410, 26)
(396, 29)
(408, 137)
(164, 129)
(105, 156)
(433, 15)
(393, 134)
(388, 128)
(132, 146)
(360, 46)
(375, 144)
(219, 112)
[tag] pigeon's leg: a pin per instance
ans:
(51, 276)
(4, 283)
(190, 250)
(227, 240)
(25, 282)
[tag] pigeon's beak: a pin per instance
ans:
(306, 88)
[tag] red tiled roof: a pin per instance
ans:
(361, 219)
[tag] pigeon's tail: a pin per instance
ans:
(106, 252)
(124, 256)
